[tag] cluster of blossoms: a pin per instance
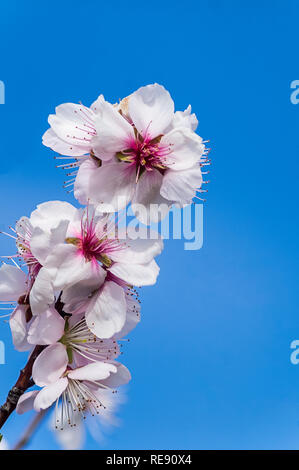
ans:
(74, 286)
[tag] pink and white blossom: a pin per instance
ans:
(35, 238)
(73, 390)
(27, 330)
(77, 340)
(92, 264)
(105, 313)
(13, 294)
(143, 152)
(139, 151)
(153, 155)
(80, 246)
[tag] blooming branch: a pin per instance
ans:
(73, 279)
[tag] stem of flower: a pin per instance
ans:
(24, 381)
(22, 384)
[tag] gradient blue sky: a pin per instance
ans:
(210, 360)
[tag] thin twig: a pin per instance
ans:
(24, 381)
(22, 384)
(25, 438)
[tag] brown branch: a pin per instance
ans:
(22, 384)
(25, 438)
(24, 381)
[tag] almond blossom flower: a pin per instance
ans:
(83, 347)
(104, 316)
(76, 248)
(73, 390)
(32, 250)
(37, 294)
(140, 151)
(86, 248)
(14, 291)
(90, 257)
(24, 328)
(150, 156)
(33, 254)
(80, 344)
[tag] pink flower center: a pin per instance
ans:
(145, 153)
(95, 246)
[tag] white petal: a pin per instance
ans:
(151, 109)
(132, 317)
(136, 274)
(184, 119)
(24, 228)
(106, 313)
(148, 205)
(49, 394)
(67, 266)
(76, 298)
(121, 377)
(75, 113)
(81, 185)
(74, 124)
(19, 328)
(46, 328)
(51, 140)
(50, 365)
(12, 283)
(181, 186)
(94, 371)
(25, 402)
(137, 250)
(42, 292)
(96, 105)
(186, 148)
(113, 131)
(43, 241)
(112, 186)
(48, 215)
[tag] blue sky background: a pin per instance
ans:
(211, 359)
